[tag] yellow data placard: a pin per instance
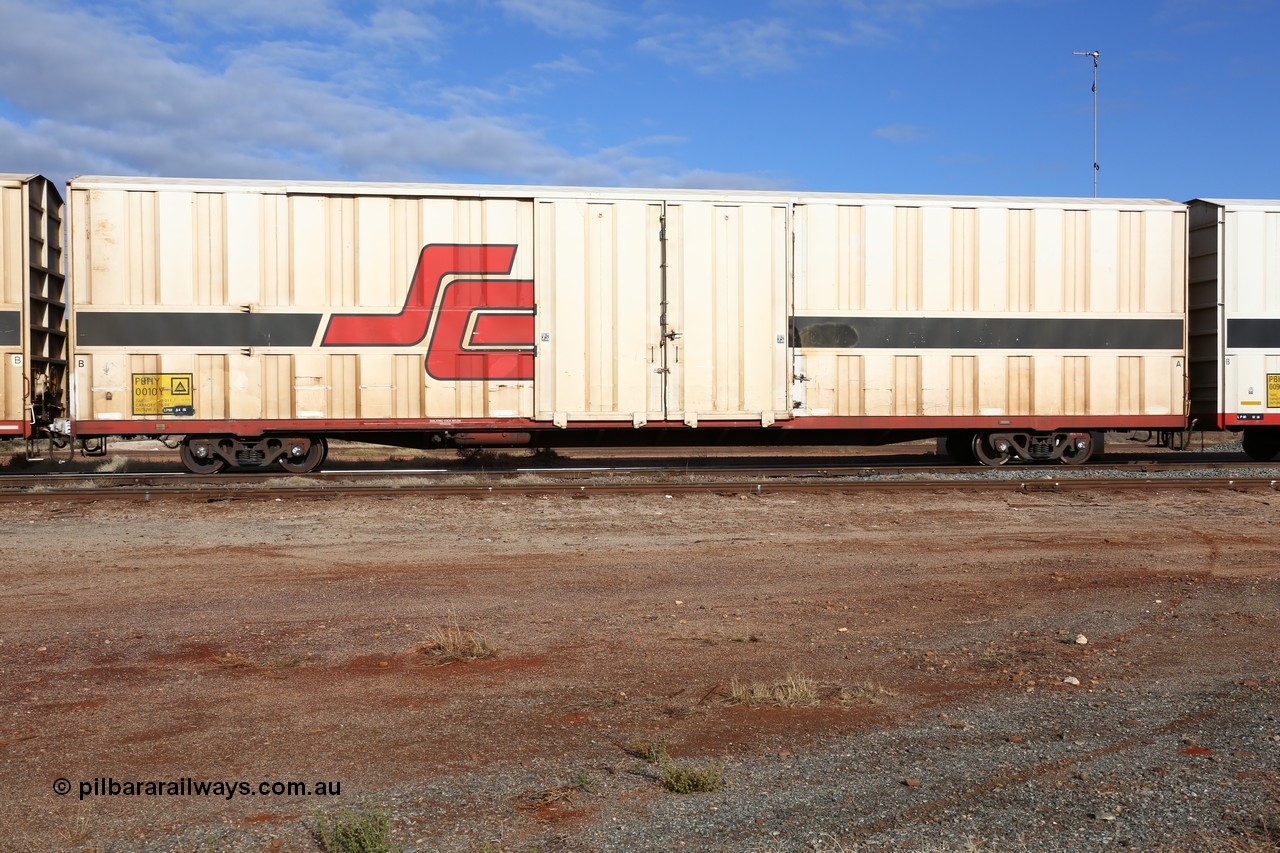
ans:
(163, 394)
(1273, 390)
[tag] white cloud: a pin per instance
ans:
(576, 18)
(241, 16)
(751, 46)
(511, 87)
(106, 96)
(747, 47)
(563, 65)
(911, 11)
(118, 97)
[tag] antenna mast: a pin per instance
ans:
(1095, 54)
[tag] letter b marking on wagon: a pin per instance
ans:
(475, 328)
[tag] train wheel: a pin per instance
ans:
(197, 464)
(959, 446)
(1262, 444)
(307, 462)
(988, 453)
(1079, 448)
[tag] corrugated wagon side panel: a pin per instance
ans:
(937, 280)
(1104, 256)
(11, 388)
(1042, 300)
(375, 228)
(1104, 389)
(406, 396)
(993, 384)
(308, 251)
(964, 385)
(239, 286)
(311, 385)
(879, 252)
(211, 390)
(176, 246)
(992, 252)
(1075, 385)
(344, 385)
(1047, 383)
(247, 229)
(935, 384)
(962, 238)
(1049, 266)
(12, 237)
(13, 212)
(277, 379)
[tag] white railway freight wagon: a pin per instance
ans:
(257, 319)
(1234, 319)
(32, 304)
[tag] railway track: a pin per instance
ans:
(730, 477)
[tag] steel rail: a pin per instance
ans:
(822, 468)
(761, 487)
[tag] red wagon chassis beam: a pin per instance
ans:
(329, 426)
(1236, 420)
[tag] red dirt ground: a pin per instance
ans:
(262, 639)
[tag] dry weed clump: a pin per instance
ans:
(680, 777)
(112, 465)
(234, 660)
(794, 691)
(800, 691)
(582, 782)
(683, 777)
(348, 830)
(455, 644)
(868, 692)
(652, 751)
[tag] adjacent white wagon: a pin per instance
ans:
(1235, 319)
(32, 304)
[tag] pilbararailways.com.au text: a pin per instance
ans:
(187, 787)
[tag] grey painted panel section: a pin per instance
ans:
(10, 328)
(194, 329)
(1244, 333)
(1015, 333)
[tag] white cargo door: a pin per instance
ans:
(598, 284)
(726, 312)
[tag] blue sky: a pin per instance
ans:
(885, 96)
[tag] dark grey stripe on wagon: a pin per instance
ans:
(1030, 333)
(1253, 334)
(194, 329)
(10, 328)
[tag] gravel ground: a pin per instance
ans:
(274, 639)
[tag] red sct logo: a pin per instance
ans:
(475, 328)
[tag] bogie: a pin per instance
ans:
(1068, 447)
(992, 449)
(295, 454)
(199, 458)
(299, 458)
